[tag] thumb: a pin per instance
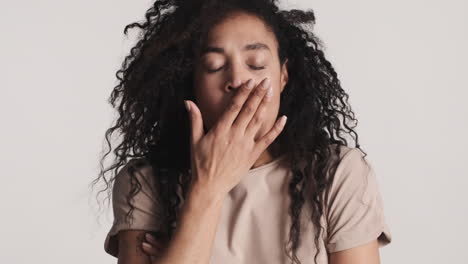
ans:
(196, 122)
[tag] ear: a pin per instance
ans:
(284, 75)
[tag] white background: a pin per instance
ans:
(404, 64)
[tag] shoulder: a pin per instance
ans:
(141, 213)
(351, 164)
(139, 166)
(353, 180)
(135, 172)
(346, 153)
(354, 207)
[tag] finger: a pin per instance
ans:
(196, 123)
(153, 241)
(235, 105)
(269, 137)
(254, 107)
(150, 250)
(257, 120)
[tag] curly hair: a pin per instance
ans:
(156, 78)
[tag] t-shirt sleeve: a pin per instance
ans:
(147, 212)
(355, 211)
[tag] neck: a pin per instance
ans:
(267, 156)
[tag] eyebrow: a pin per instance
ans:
(252, 46)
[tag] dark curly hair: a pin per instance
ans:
(156, 78)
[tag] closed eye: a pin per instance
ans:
(258, 68)
(251, 66)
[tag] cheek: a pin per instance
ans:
(272, 109)
(210, 102)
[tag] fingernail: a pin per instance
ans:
(147, 245)
(283, 120)
(269, 92)
(249, 84)
(149, 237)
(187, 106)
(266, 84)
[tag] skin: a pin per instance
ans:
(213, 92)
(226, 53)
(365, 254)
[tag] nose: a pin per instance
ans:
(237, 75)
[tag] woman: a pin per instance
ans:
(225, 180)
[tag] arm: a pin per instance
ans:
(365, 254)
(355, 214)
(193, 239)
(217, 166)
(194, 236)
(130, 250)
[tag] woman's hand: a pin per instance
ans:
(228, 150)
(152, 246)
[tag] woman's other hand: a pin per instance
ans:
(152, 247)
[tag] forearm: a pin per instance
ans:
(194, 236)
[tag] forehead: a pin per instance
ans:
(239, 29)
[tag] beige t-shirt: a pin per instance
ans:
(254, 223)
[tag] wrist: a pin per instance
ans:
(202, 194)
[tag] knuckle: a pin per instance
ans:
(244, 92)
(259, 93)
(277, 127)
(215, 130)
(234, 106)
(256, 119)
(246, 89)
(269, 139)
(217, 135)
(250, 109)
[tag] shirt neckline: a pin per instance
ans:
(267, 165)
